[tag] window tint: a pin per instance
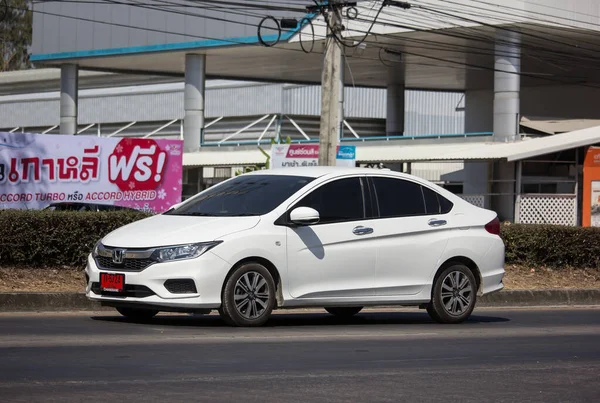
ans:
(432, 204)
(445, 204)
(245, 195)
(398, 198)
(341, 200)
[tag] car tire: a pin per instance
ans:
(137, 314)
(344, 311)
(453, 296)
(248, 296)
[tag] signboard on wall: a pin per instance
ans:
(37, 170)
(304, 155)
(595, 204)
(591, 188)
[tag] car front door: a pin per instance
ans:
(335, 258)
(412, 233)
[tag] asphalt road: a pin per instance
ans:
(549, 355)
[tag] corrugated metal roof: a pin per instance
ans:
(358, 102)
(558, 125)
(223, 158)
(426, 112)
(520, 150)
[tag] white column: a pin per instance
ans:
(507, 83)
(193, 102)
(69, 83)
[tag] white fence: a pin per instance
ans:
(547, 209)
(476, 200)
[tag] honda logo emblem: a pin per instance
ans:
(117, 256)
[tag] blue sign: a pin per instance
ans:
(346, 153)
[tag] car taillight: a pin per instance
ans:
(493, 227)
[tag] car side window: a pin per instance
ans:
(337, 201)
(445, 204)
(398, 197)
(432, 204)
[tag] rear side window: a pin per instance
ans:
(445, 204)
(432, 203)
(401, 198)
(337, 201)
(435, 203)
(398, 198)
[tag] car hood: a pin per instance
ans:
(165, 230)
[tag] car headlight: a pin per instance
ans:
(180, 252)
(95, 250)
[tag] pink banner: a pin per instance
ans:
(37, 170)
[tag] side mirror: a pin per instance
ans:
(304, 216)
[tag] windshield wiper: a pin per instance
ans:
(193, 214)
(214, 214)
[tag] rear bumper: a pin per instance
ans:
(492, 283)
(492, 272)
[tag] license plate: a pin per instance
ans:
(113, 282)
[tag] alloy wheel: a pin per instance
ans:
(251, 295)
(457, 292)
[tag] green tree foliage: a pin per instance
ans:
(15, 34)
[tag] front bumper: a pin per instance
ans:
(207, 271)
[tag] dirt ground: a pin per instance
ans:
(517, 278)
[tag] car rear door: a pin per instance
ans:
(411, 234)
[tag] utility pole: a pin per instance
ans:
(331, 88)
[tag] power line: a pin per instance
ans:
(377, 46)
(486, 40)
(478, 12)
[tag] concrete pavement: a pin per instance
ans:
(509, 355)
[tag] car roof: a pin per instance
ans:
(318, 171)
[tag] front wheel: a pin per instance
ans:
(137, 314)
(248, 296)
(344, 312)
(454, 294)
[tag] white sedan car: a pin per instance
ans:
(337, 238)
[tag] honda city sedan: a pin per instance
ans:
(336, 238)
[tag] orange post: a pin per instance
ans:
(591, 188)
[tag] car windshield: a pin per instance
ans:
(247, 195)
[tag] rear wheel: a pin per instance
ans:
(454, 294)
(137, 314)
(344, 312)
(248, 296)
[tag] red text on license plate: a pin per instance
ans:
(114, 282)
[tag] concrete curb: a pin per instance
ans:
(43, 302)
(516, 298)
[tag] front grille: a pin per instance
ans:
(127, 265)
(131, 290)
(181, 286)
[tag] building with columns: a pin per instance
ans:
(516, 61)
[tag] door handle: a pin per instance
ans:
(436, 223)
(360, 230)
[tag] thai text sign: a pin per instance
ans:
(302, 155)
(36, 170)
